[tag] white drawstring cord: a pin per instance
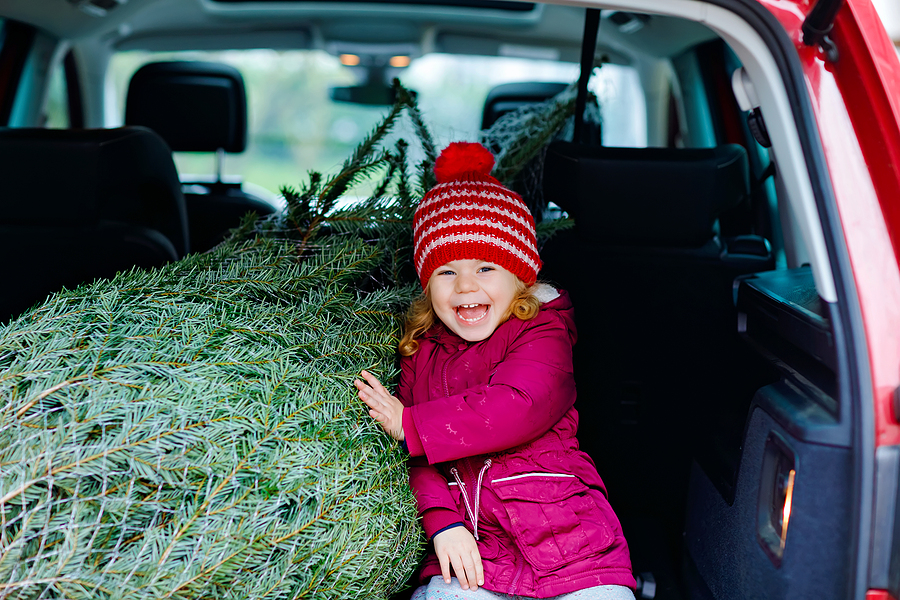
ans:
(472, 515)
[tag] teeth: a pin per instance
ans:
(476, 319)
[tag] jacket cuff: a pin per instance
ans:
(450, 526)
(411, 434)
(437, 519)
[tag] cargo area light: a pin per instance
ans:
(786, 511)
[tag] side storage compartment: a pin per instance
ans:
(785, 532)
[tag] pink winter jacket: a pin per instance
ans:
(497, 417)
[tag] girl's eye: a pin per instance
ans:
(445, 272)
(485, 269)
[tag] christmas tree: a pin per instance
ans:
(192, 431)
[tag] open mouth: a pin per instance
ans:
(472, 313)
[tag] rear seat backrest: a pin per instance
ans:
(198, 107)
(658, 363)
(84, 204)
(195, 106)
(507, 97)
(660, 197)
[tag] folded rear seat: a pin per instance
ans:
(661, 372)
(78, 205)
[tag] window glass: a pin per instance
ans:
(56, 109)
(623, 106)
(294, 127)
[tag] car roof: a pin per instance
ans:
(487, 27)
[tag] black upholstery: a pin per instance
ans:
(194, 106)
(647, 196)
(662, 375)
(84, 204)
(198, 107)
(508, 97)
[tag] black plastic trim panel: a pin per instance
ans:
(17, 40)
(884, 566)
(780, 313)
(74, 96)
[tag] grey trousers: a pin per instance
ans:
(438, 590)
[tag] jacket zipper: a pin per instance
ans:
(520, 560)
(444, 378)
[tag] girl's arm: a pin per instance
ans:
(527, 394)
(455, 547)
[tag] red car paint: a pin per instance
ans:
(856, 102)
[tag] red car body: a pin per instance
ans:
(856, 102)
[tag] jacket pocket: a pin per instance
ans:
(555, 519)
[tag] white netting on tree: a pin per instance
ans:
(519, 140)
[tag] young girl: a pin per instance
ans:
(485, 406)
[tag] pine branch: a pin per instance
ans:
(548, 228)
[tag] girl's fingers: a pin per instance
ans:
(368, 392)
(460, 572)
(445, 567)
(469, 566)
(372, 402)
(373, 381)
(479, 568)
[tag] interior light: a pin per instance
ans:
(399, 61)
(786, 511)
(350, 60)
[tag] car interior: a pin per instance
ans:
(711, 363)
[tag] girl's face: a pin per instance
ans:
(472, 297)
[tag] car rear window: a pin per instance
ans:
(295, 127)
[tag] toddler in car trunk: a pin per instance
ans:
(485, 406)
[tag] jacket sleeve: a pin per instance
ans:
(433, 500)
(435, 504)
(529, 391)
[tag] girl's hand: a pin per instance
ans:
(457, 547)
(383, 407)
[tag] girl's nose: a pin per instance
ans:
(466, 283)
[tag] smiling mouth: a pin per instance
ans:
(472, 313)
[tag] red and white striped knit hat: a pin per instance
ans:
(471, 215)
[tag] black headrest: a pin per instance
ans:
(194, 106)
(510, 96)
(646, 196)
(78, 177)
